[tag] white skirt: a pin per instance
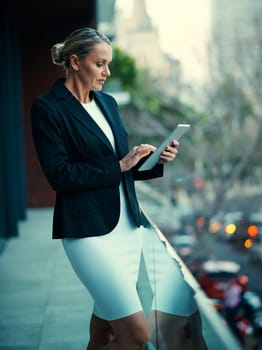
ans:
(110, 266)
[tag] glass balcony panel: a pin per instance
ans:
(180, 314)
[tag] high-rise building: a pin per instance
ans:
(105, 10)
(138, 36)
(237, 33)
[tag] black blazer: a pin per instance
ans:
(81, 165)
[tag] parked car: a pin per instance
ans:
(215, 276)
(233, 226)
(216, 223)
(252, 306)
(253, 241)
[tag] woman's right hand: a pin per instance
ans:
(134, 156)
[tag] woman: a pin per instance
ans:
(82, 146)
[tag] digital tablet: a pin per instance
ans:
(153, 159)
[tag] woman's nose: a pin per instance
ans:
(107, 71)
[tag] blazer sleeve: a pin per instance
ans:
(156, 171)
(62, 173)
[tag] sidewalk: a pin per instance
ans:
(43, 305)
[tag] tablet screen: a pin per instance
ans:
(153, 159)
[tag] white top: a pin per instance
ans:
(95, 112)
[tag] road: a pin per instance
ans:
(227, 251)
(159, 209)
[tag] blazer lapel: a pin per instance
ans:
(78, 112)
(115, 123)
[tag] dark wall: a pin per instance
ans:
(41, 26)
(28, 29)
(12, 165)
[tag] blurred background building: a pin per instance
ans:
(106, 17)
(236, 32)
(138, 36)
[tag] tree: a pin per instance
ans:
(233, 101)
(123, 69)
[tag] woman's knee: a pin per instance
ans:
(132, 329)
(101, 332)
(140, 335)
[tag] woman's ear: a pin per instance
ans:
(74, 62)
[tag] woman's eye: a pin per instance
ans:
(99, 65)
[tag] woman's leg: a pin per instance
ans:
(172, 332)
(130, 333)
(101, 333)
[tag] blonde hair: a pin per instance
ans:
(80, 42)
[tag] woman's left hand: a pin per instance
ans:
(170, 152)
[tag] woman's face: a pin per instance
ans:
(94, 68)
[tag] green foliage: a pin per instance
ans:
(146, 92)
(123, 69)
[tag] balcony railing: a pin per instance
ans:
(217, 335)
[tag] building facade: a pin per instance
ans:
(236, 34)
(138, 36)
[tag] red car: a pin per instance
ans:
(215, 276)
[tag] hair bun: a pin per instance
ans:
(56, 55)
